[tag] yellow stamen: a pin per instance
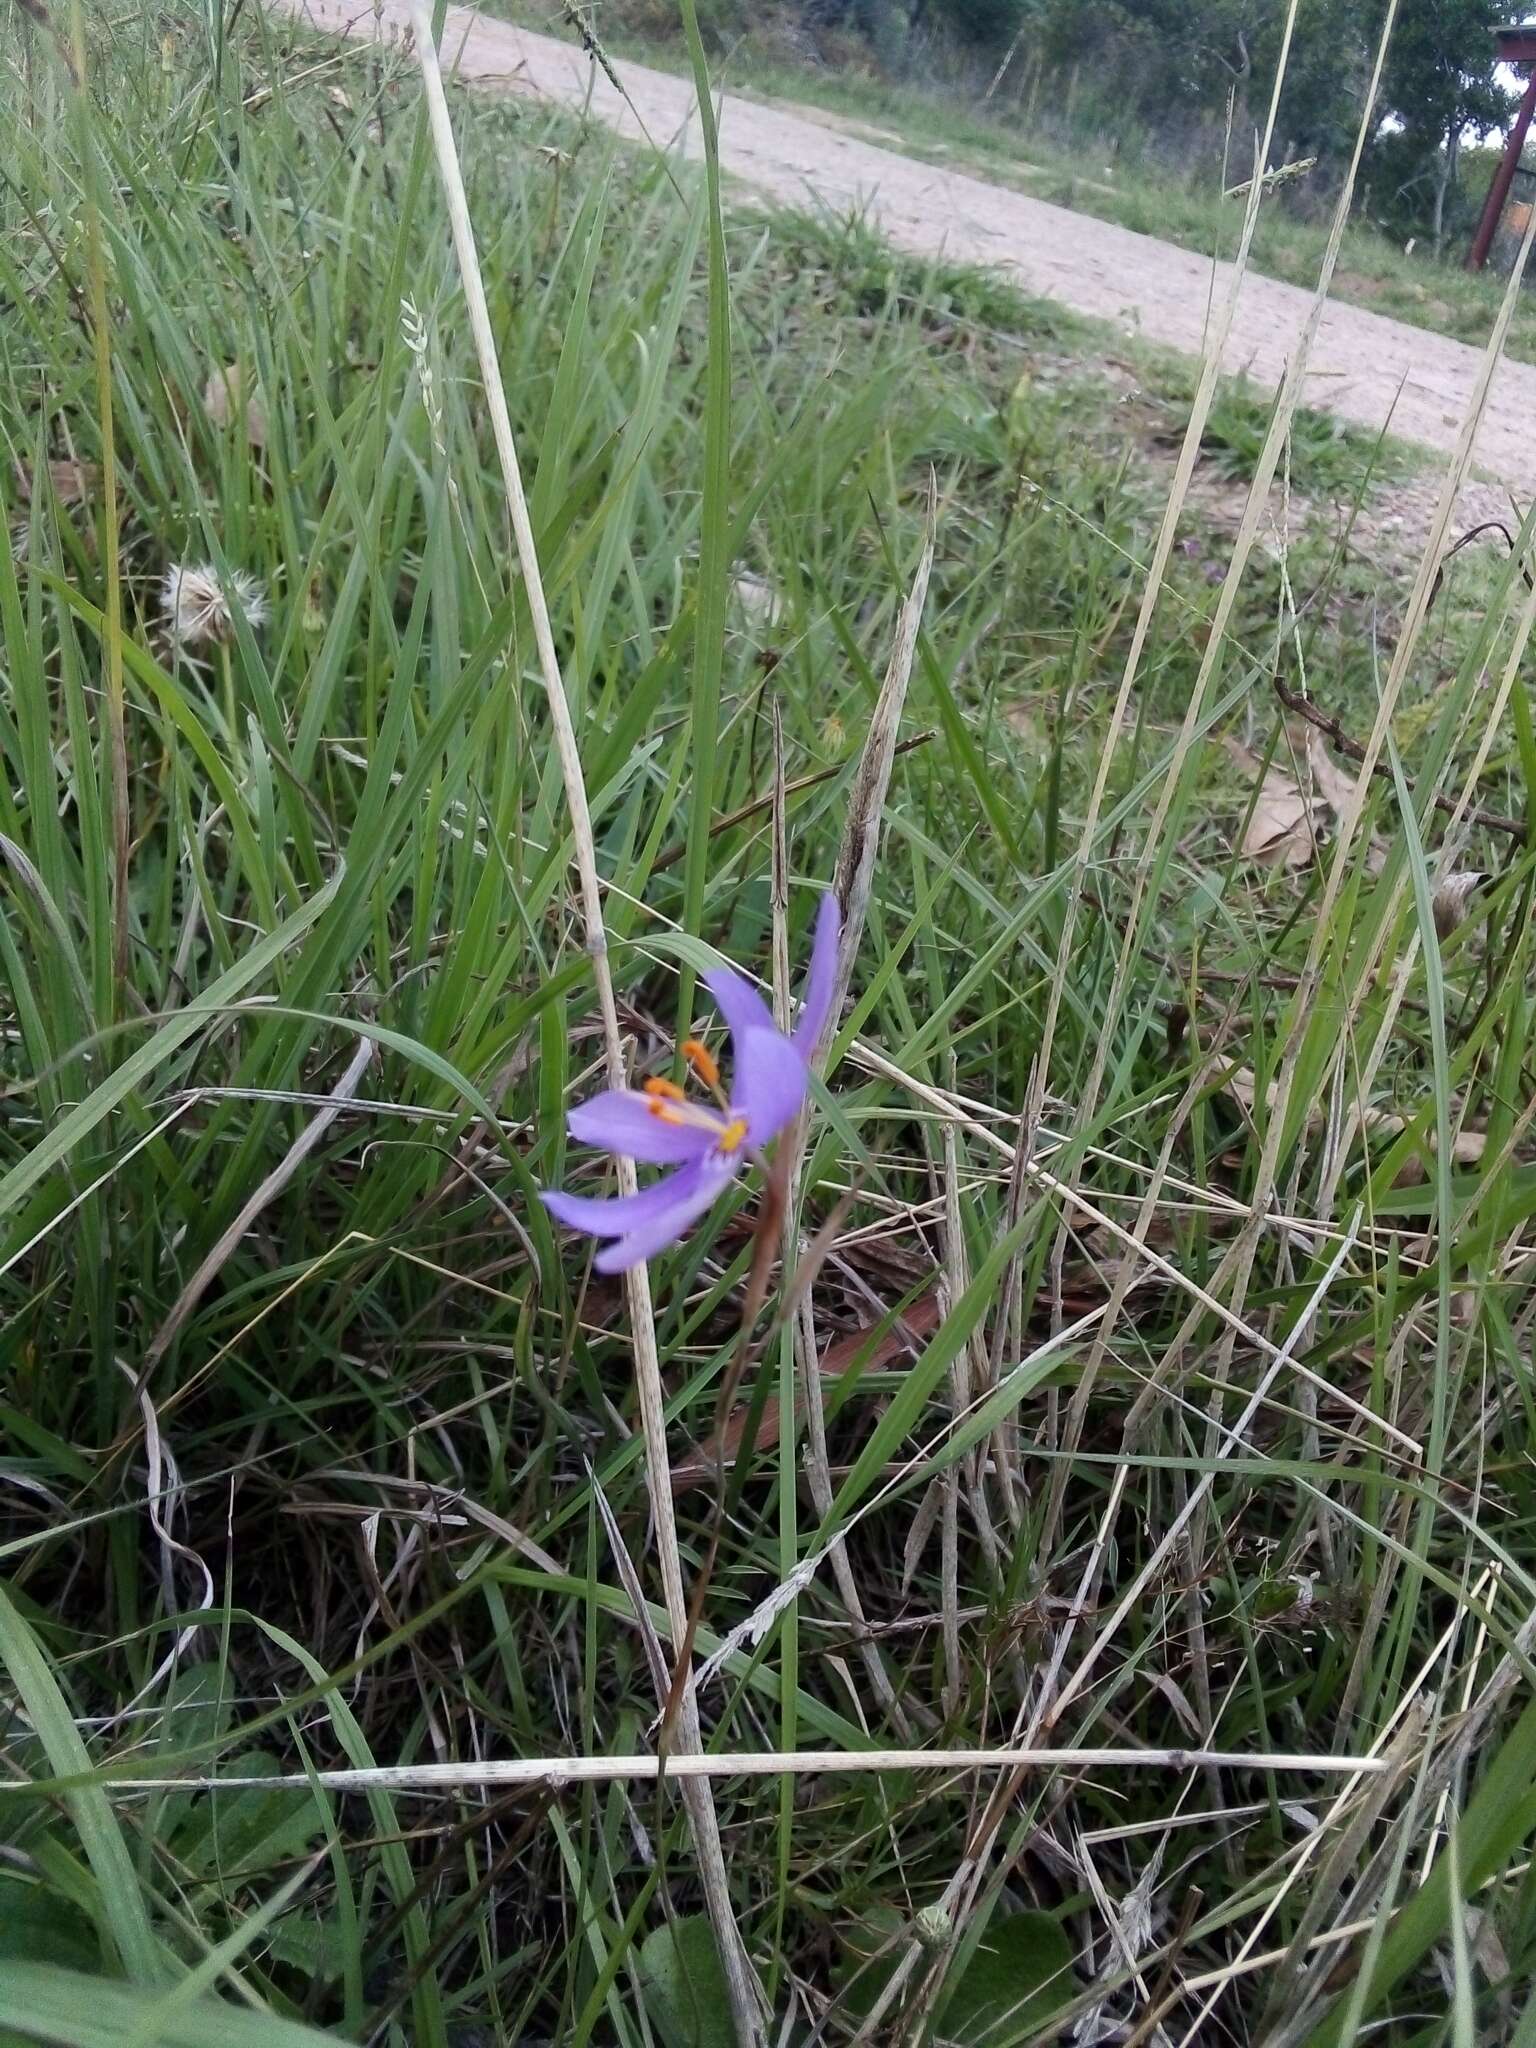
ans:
(702, 1061)
(669, 1105)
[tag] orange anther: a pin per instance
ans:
(666, 1091)
(702, 1061)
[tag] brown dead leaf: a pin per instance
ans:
(1467, 1146)
(919, 1530)
(1335, 785)
(1242, 1085)
(1287, 821)
(222, 397)
(1451, 900)
(73, 482)
(1278, 832)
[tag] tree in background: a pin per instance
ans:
(1174, 58)
(1440, 85)
(1166, 63)
(1198, 76)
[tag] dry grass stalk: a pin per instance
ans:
(872, 780)
(968, 1384)
(747, 2002)
(114, 689)
(853, 879)
(1461, 811)
(1237, 1265)
(1407, 1749)
(1142, 1254)
(1151, 594)
(557, 1771)
(961, 1893)
(1289, 397)
(1231, 1442)
(807, 1359)
(1467, 1147)
(1162, 552)
(1264, 474)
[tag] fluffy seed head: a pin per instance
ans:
(200, 609)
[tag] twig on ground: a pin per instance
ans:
(1476, 533)
(872, 780)
(1295, 700)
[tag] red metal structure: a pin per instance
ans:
(1516, 46)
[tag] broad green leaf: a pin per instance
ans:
(685, 1985)
(1017, 1975)
(37, 1926)
(70, 2010)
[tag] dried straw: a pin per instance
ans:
(747, 2003)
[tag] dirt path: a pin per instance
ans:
(1365, 368)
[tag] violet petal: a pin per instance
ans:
(768, 1084)
(613, 1215)
(623, 1120)
(664, 1228)
(740, 1004)
(821, 977)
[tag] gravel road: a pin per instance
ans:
(1365, 368)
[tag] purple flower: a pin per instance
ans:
(707, 1146)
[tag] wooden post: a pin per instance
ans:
(1503, 178)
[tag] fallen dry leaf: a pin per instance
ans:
(1450, 900)
(1335, 785)
(73, 482)
(1467, 1146)
(222, 396)
(1286, 821)
(919, 1530)
(1278, 833)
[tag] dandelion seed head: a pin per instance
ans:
(202, 610)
